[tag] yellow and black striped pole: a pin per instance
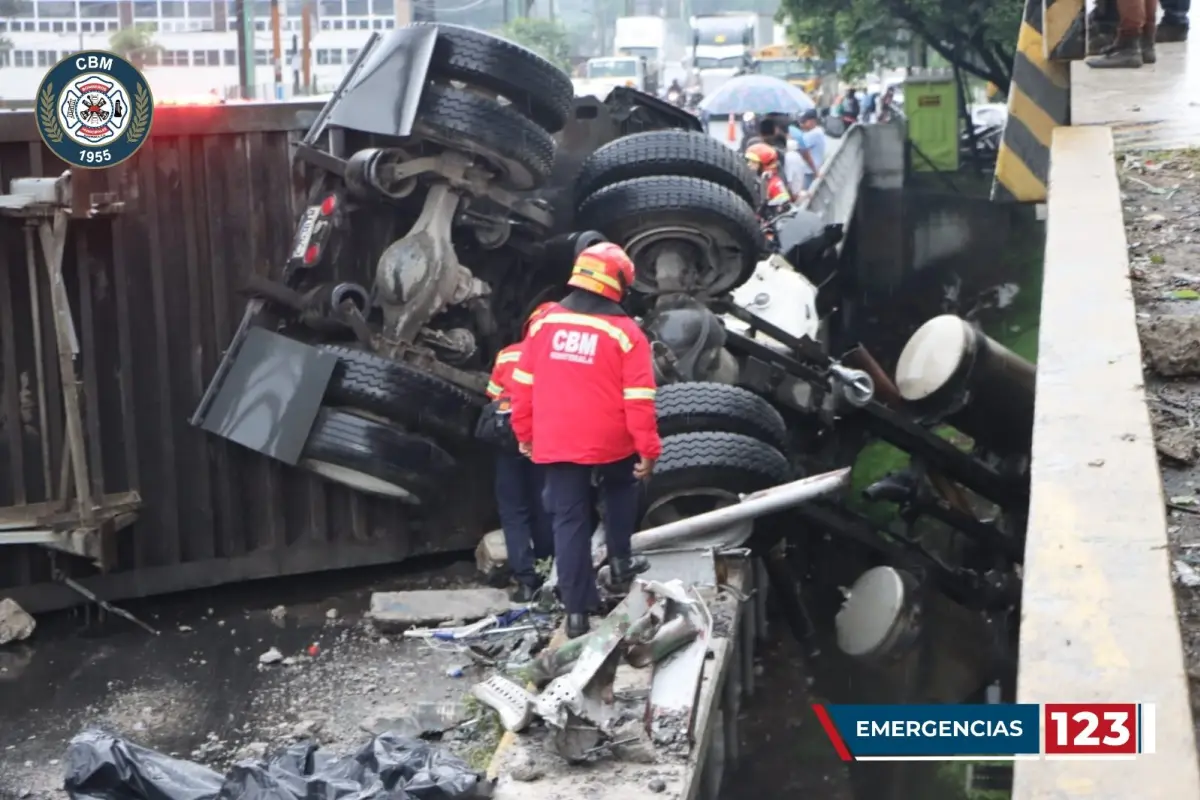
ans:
(1064, 24)
(1039, 100)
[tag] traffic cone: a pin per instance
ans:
(731, 131)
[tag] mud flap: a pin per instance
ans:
(270, 395)
(381, 97)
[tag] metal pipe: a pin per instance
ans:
(670, 637)
(751, 507)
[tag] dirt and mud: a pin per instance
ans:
(1161, 198)
(201, 690)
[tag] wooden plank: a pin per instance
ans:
(87, 345)
(10, 379)
(251, 233)
(124, 355)
(196, 303)
(163, 255)
(224, 266)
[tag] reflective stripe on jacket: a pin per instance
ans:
(500, 383)
(777, 191)
(583, 391)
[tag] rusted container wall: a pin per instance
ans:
(155, 298)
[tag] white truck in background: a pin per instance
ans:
(643, 48)
(659, 40)
(602, 75)
(723, 45)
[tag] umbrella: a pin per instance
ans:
(762, 94)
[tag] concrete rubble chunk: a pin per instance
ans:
(272, 656)
(1171, 344)
(397, 610)
(16, 624)
(491, 556)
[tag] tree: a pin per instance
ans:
(546, 37)
(134, 43)
(977, 36)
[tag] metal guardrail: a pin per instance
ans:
(834, 195)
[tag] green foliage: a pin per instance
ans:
(548, 38)
(133, 43)
(977, 36)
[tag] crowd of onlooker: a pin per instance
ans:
(800, 141)
(1122, 34)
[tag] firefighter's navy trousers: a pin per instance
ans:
(569, 499)
(527, 531)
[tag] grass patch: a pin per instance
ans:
(1188, 155)
(952, 777)
(488, 731)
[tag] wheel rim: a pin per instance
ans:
(360, 481)
(713, 253)
(686, 503)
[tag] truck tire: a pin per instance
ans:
(631, 209)
(705, 406)
(689, 153)
(535, 87)
(376, 458)
(461, 120)
(402, 392)
(729, 462)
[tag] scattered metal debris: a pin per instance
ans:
(589, 709)
(511, 702)
(75, 586)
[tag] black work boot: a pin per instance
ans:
(523, 594)
(1125, 53)
(1170, 31)
(623, 570)
(1148, 54)
(577, 625)
(1100, 37)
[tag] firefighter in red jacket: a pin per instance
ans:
(528, 535)
(764, 160)
(584, 404)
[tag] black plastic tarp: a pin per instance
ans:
(101, 766)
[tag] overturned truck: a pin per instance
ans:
(454, 179)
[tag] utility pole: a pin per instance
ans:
(294, 63)
(276, 50)
(306, 14)
(404, 13)
(245, 38)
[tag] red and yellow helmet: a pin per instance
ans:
(604, 269)
(542, 310)
(762, 155)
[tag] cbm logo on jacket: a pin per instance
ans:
(575, 346)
